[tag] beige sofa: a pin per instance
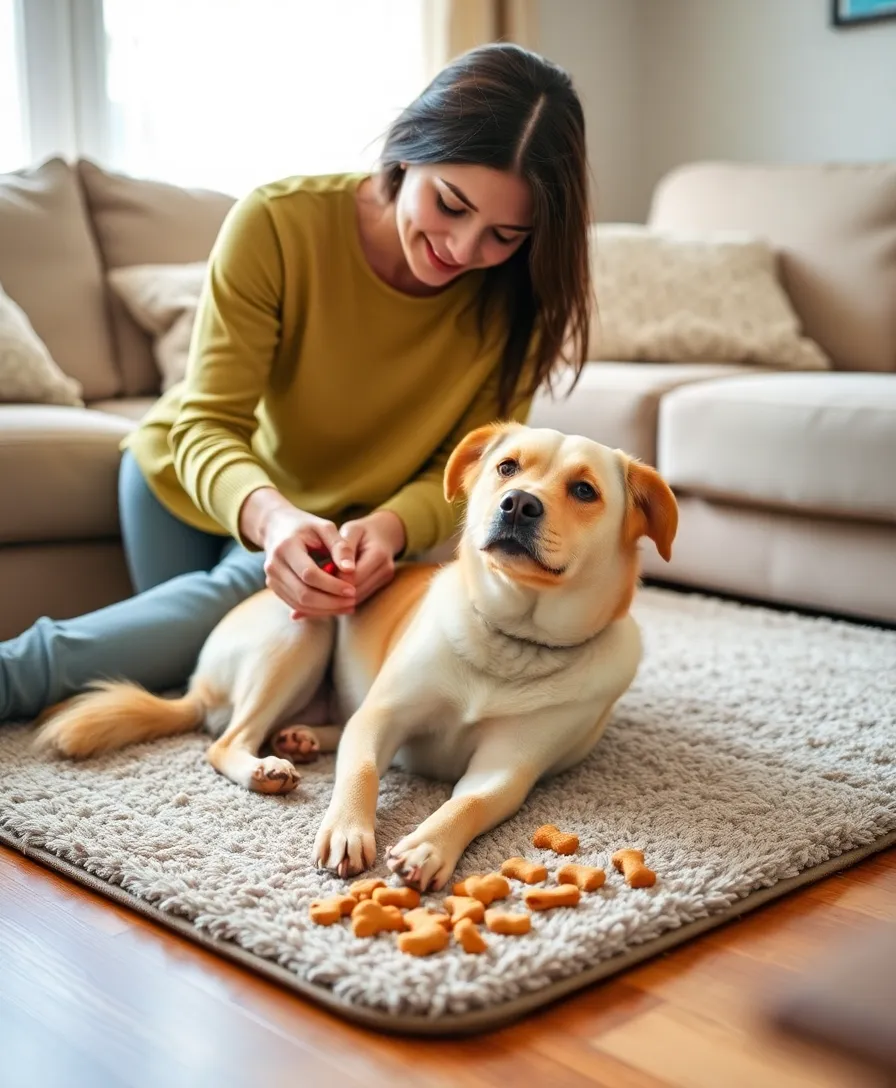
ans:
(787, 482)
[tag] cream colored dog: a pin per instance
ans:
(492, 671)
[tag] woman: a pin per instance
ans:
(351, 331)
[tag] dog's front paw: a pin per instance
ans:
(421, 865)
(343, 847)
(273, 775)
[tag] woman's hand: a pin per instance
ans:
(288, 536)
(375, 542)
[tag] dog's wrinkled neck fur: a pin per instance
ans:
(545, 619)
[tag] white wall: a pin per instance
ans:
(596, 42)
(671, 81)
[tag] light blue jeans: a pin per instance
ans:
(185, 581)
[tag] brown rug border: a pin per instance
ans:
(464, 1023)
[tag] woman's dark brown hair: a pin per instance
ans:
(505, 107)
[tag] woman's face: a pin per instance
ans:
(455, 218)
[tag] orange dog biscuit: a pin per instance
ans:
(424, 916)
(327, 911)
(396, 897)
(364, 889)
(631, 864)
(502, 921)
(549, 837)
(429, 932)
(464, 906)
(370, 918)
(565, 895)
(584, 877)
(484, 888)
(468, 936)
(527, 871)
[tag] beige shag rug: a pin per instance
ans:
(755, 752)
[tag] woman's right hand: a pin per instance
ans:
(289, 536)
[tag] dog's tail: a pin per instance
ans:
(112, 715)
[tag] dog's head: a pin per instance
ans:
(545, 509)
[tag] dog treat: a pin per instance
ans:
(631, 864)
(484, 888)
(503, 921)
(464, 906)
(527, 871)
(364, 889)
(424, 916)
(428, 931)
(549, 837)
(584, 877)
(327, 911)
(396, 897)
(370, 918)
(468, 936)
(564, 895)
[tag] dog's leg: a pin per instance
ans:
(273, 683)
(346, 840)
(304, 743)
(504, 768)
(483, 798)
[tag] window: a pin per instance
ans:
(231, 93)
(14, 149)
(223, 94)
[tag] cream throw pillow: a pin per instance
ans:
(162, 299)
(28, 373)
(664, 297)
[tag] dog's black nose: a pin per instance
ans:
(521, 508)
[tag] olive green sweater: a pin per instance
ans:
(310, 373)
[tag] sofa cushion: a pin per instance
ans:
(58, 473)
(50, 266)
(147, 222)
(835, 227)
(617, 403)
(815, 443)
(133, 408)
(28, 372)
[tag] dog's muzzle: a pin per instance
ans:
(516, 525)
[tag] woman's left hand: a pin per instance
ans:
(376, 540)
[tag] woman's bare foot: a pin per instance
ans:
(296, 743)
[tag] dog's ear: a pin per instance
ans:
(652, 510)
(468, 453)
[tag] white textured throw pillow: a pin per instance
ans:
(664, 297)
(28, 373)
(162, 299)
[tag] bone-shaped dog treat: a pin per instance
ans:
(464, 906)
(327, 911)
(370, 918)
(396, 897)
(527, 871)
(423, 916)
(631, 864)
(502, 921)
(584, 877)
(484, 888)
(429, 931)
(565, 895)
(364, 889)
(549, 837)
(468, 936)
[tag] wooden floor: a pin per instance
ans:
(91, 994)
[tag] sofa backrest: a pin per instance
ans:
(835, 229)
(140, 222)
(50, 266)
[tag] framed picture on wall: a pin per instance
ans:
(860, 12)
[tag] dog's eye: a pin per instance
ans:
(583, 492)
(508, 467)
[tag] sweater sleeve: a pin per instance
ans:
(235, 337)
(429, 519)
